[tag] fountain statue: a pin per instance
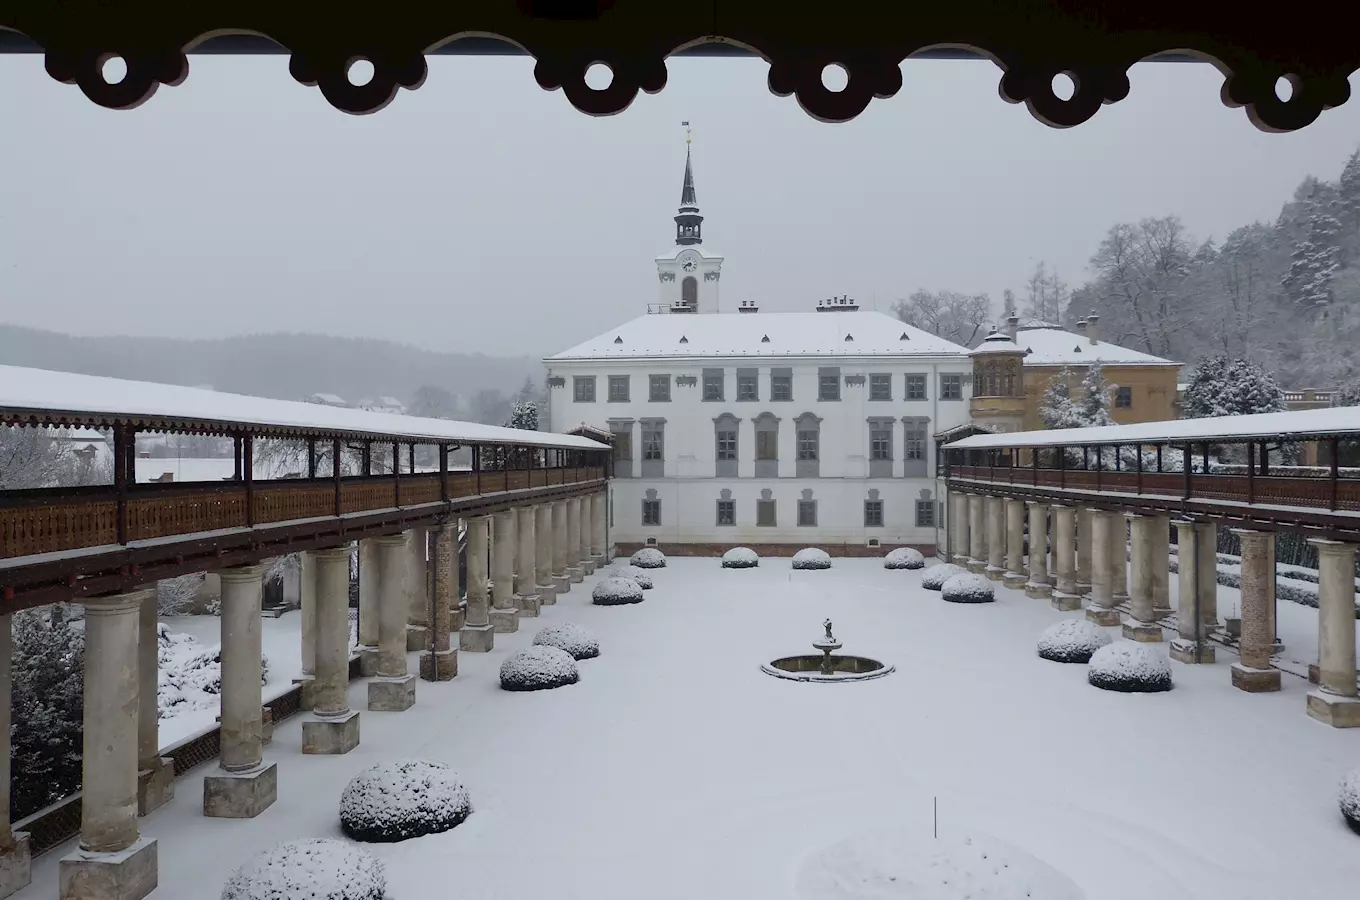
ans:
(830, 638)
(826, 667)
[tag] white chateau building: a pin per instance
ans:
(735, 427)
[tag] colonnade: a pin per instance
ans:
(409, 600)
(1100, 558)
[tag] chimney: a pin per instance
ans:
(1081, 327)
(747, 306)
(1091, 321)
(1012, 326)
(843, 303)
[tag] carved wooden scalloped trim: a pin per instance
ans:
(1031, 42)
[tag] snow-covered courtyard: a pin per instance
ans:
(676, 769)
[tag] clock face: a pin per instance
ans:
(690, 264)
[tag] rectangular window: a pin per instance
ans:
(727, 445)
(659, 388)
(747, 387)
(618, 388)
(925, 513)
(781, 388)
(583, 386)
(713, 385)
(727, 512)
(914, 440)
(873, 513)
(807, 445)
(951, 387)
(880, 442)
(829, 384)
(767, 445)
(651, 512)
(880, 387)
(623, 447)
(1123, 397)
(765, 513)
(653, 442)
(807, 513)
(916, 387)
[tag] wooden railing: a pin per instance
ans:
(51, 521)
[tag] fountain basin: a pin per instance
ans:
(809, 667)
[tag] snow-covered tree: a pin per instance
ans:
(1057, 408)
(1089, 408)
(1223, 386)
(1008, 307)
(1348, 193)
(1097, 397)
(1316, 257)
(1046, 295)
(48, 707)
(951, 315)
(524, 416)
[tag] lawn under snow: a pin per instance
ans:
(676, 769)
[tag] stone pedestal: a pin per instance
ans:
(547, 594)
(575, 574)
(505, 621)
(1106, 618)
(392, 693)
(155, 785)
(127, 874)
(417, 638)
(16, 868)
(476, 638)
(1067, 602)
(527, 606)
(1333, 709)
(1186, 651)
(1255, 681)
(1143, 632)
(1038, 591)
(442, 665)
(240, 795)
(331, 736)
(588, 566)
(458, 618)
(561, 585)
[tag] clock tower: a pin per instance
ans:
(689, 274)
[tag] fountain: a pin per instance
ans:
(827, 667)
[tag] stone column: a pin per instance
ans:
(573, 550)
(561, 580)
(417, 600)
(996, 539)
(958, 529)
(1038, 586)
(244, 786)
(1254, 673)
(392, 689)
(334, 727)
(1085, 532)
(307, 604)
(1161, 566)
(1119, 558)
(977, 533)
(543, 554)
(15, 847)
(526, 562)
(1142, 624)
(1015, 544)
(504, 615)
(598, 505)
(1191, 644)
(1334, 701)
(113, 861)
(1065, 596)
(587, 527)
(370, 565)
(1208, 575)
(477, 635)
(442, 664)
(1101, 609)
(155, 773)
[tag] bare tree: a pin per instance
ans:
(36, 457)
(1046, 295)
(1140, 268)
(953, 316)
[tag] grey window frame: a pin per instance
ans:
(803, 507)
(773, 506)
(876, 506)
(650, 505)
(915, 447)
(730, 507)
(726, 466)
(615, 381)
(766, 423)
(1123, 397)
(914, 387)
(781, 378)
(710, 378)
(654, 382)
(880, 380)
(828, 376)
(880, 431)
(927, 506)
(748, 378)
(654, 466)
(623, 439)
(807, 465)
(948, 381)
(578, 382)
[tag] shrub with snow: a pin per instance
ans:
(190, 675)
(740, 558)
(623, 570)
(1072, 641)
(648, 558)
(404, 799)
(314, 869)
(811, 558)
(935, 577)
(616, 592)
(904, 558)
(568, 636)
(1349, 796)
(47, 703)
(967, 587)
(1129, 667)
(539, 668)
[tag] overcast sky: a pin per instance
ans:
(483, 213)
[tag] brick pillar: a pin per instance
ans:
(1208, 575)
(1161, 566)
(1254, 672)
(958, 525)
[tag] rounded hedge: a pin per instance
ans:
(1129, 667)
(1349, 797)
(616, 592)
(935, 577)
(400, 800)
(811, 558)
(315, 869)
(740, 558)
(570, 638)
(539, 669)
(967, 587)
(623, 570)
(1072, 641)
(648, 558)
(904, 558)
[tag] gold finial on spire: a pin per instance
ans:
(688, 138)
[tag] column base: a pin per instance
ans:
(1038, 591)
(155, 787)
(16, 866)
(528, 605)
(417, 637)
(1255, 681)
(128, 874)
(392, 694)
(588, 566)
(505, 621)
(476, 639)
(1121, 599)
(1186, 652)
(994, 573)
(1161, 612)
(1052, 580)
(331, 736)
(561, 584)
(976, 566)
(1276, 647)
(1335, 710)
(368, 661)
(575, 575)
(1083, 588)
(240, 795)
(1066, 602)
(1016, 580)
(305, 695)
(458, 618)
(1106, 618)
(441, 666)
(547, 594)
(599, 560)
(1143, 632)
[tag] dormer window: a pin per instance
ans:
(618, 340)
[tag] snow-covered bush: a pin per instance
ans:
(48, 707)
(811, 558)
(1349, 797)
(648, 558)
(404, 799)
(570, 637)
(935, 577)
(314, 869)
(1129, 667)
(175, 596)
(616, 592)
(1072, 641)
(904, 558)
(190, 675)
(539, 668)
(967, 587)
(740, 558)
(623, 570)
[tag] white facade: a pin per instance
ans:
(689, 278)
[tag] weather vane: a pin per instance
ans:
(688, 139)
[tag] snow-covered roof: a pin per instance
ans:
(1302, 424)
(700, 249)
(82, 398)
(1057, 347)
(333, 399)
(859, 333)
(997, 342)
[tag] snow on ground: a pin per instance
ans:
(677, 769)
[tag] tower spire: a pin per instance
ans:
(687, 223)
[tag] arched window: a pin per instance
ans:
(808, 429)
(689, 290)
(767, 445)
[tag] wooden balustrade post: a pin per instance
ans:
(444, 473)
(1251, 472)
(311, 457)
(248, 472)
(1062, 467)
(1186, 466)
(120, 479)
(1098, 467)
(396, 472)
(1334, 445)
(477, 467)
(335, 474)
(236, 454)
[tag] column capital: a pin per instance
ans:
(1248, 534)
(1060, 507)
(117, 603)
(333, 552)
(1133, 515)
(1331, 547)
(238, 574)
(391, 540)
